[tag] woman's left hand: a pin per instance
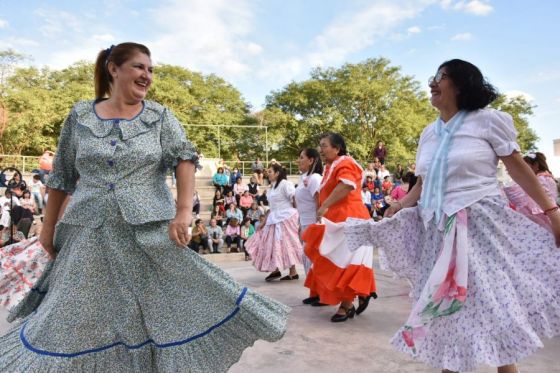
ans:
(179, 228)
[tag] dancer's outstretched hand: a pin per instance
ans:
(180, 228)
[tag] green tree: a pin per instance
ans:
(366, 102)
(520, 110)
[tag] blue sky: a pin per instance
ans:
(261, 45)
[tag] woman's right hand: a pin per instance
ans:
(46, 239)
(392, 210)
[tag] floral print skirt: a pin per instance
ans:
(513, 294)
(124, 298)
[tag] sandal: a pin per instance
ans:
(290, 277)
(274, 275)
(348, 314)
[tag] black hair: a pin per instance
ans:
(317, 165)
(197, 221)
(336, 140)
(276, 167)
(474, 91)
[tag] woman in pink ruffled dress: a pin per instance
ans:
(525, 204)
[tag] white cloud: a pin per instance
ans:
(17, 43)
(476, 7)
(516, 93)
(3, 23)
(414, 30)
(353, 32)
(206, 35)
(465, 36)
(57, 23)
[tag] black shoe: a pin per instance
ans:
(290, 277)
(310, 300)
(363, 304)
(274, 275)
(349, 314)
(318, 304)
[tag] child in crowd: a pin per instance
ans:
(229, 199)
(366, 198)
(369, 184)
(387, 185)
(246, 231)
(37, 191)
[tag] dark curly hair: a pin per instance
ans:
(474, 91)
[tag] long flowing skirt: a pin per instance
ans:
(513, 294)
(276, 246)
(123, 298)
(337, 273)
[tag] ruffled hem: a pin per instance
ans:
(505, 347)
(331, 282)
(268, 253)
(214, 350)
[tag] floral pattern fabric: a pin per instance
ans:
(513, 283)
(21, 265)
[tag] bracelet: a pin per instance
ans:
(551, 210)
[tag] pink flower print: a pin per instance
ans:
(407, 337)
(449, 290)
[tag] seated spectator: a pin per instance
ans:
(233, 176)
(233, 212)
(218, 215)
(387, 185)
(215, 237)
(399, 173)
(382, 172)
(6, 204)
(369, 184)
(366, 198)
(253, 187)
(400, 191)
(246, 231)
(233, 235)
(254, 213)
(27, 202)
(37, 191)
(378, 203)
(262, 201)
(260, 222)
(196, 204)
(229, 199)
(238, 189)
(199, 236)
(245, 202)
(369, 171)
(220, 180)
(219, 200)
(258, 170)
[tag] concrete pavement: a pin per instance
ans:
(314, 344)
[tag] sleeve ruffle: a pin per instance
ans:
(175, 144)
(502, 135)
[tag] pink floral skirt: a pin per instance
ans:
(21, 265)
(270, 252)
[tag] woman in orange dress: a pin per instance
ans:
(338, 275)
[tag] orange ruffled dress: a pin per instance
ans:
(339, 274)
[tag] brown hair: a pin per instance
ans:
(539, 159)
(117, 54)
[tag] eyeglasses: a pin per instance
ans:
(438, 78)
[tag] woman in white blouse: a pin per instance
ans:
(307, 198)
(276, 245)
(485, 278)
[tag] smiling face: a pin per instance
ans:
(327, 151)
(444, 93)
(133, 78)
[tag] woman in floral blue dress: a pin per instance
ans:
(122, 294)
